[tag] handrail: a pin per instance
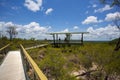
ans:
(4, 47)
(37, 46)
(37, 70)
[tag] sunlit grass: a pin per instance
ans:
(57, 63)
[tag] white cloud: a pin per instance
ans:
(66, 30)
(107, 7)
(91, 19)
(94, 5)
(34, 27)
(9, 24)
(75, 27)
(31, 30)
(1, 25)
(112, 16)
(103, 33)
(33, 5)
(48, 11)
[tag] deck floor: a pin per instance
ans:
(12, 67)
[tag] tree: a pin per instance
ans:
(117, 23)
(111, 2)
(12, 32)
(117, 19)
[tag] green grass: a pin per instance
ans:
(15, 44)
(59, 63)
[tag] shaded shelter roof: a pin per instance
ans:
(51, 33)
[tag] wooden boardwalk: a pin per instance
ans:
(12, 67)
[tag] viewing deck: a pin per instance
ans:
(65, 42)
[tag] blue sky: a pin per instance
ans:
(34, 18)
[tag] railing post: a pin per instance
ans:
(24, 64)
(34, 76)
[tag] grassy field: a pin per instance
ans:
(93, 61)
(15, 45)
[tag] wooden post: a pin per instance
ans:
(68, 39)
(54, 39)
(82, 38)
(57, 40)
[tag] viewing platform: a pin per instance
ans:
(67, 40)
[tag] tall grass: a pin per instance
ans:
(59, 63)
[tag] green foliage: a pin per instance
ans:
(113, 42)
(85, 60)
(17, 41)
(4, 41)
(111, 2)
(60, 63)
(53, 64)
(104, 57)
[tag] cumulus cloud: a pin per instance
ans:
(1, 26)
(107, 7)
(112, 16)
(31, 30)
(91, 19)
(9, 24)
(75, 27)
(48, 11)
(34, 27)
(104, 33)
(33, 5)
(65, 30)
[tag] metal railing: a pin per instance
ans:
(32, 71)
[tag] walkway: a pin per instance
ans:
(12, 67)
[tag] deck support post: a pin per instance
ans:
(54, 39)
(82, 38)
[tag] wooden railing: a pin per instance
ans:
(4, 47)
(3, 52)
(32, 70)
(37, 46)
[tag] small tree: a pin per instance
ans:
(117, 19)
(111, 2)
(117, 23)
(12, 32)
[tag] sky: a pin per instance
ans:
(35, 18)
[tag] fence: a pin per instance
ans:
(32, 71)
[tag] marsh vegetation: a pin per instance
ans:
(93, 61)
